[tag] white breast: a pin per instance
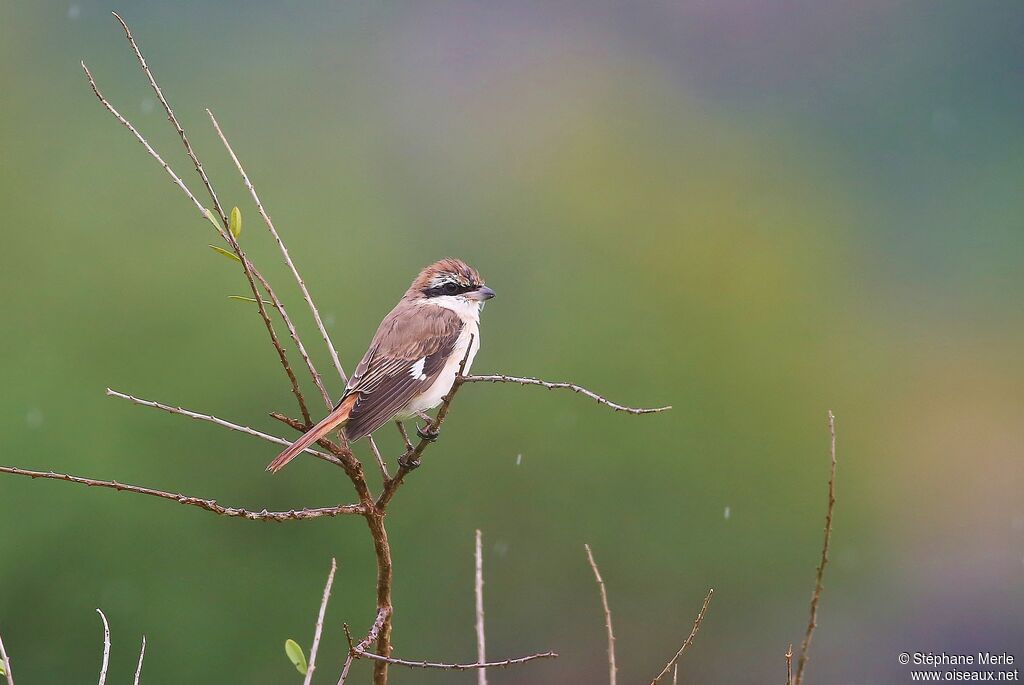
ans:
(436, 392)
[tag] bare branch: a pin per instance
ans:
(686, 643)
(142, 655)
(675, 675)
(207, 504)
(5, 661)
(218, 421)
(501, 378)
(138, 136)
(607, 615)
(481, 641)
(812, 622)
(320, 624)
(385, 476)
(456, 667)
(170, 116)
(251, 274)
(106, 648)
(284, 250)
(789, 665)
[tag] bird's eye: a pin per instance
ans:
(450, 288)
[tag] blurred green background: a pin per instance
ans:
(755, 212)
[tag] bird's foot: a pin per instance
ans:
(428, 432)
(408, 463)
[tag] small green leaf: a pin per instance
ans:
(295, 655)
(243, 298)
(226, 253)
(216, 224)
(236, 222)
(2, 671)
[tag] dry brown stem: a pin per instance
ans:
(502, 378)
(207, 504)
(789, 664)
(142, 655)
(812, 621)
(607, 615)
(688, 641)
(318, 631)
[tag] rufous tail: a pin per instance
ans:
(336, 418)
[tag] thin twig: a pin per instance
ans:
(207, 504)
(320, 624)
(456, 667)
(106, 648)
(351, 655)
(170, 115)
(380, 460)
(502, 378)
(607, 615)
(138, 136)
(688, 641)
(675, 675)
(284, 250)
(202, 210)
(481, 640)
(142, 654)
(812, 622)
(405, 436)
(789, 665)
(5, 661)
(218, 421)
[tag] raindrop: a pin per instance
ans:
(727, 513)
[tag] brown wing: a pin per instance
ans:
(384, 380)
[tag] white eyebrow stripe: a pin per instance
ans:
(417, 369)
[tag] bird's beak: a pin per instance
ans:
(483, 293)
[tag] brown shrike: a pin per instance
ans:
(413, 358)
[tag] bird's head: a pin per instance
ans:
(452, 284)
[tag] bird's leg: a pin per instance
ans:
(405, 436)
(427, 432)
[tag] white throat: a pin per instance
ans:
(468, 310)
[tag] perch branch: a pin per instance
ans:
(142, 655)
(106, 648)
(607, 615)
(502, 378)
(207, 504)
(284, 250)
(5, 661)
(320, 624)
(812, 622)
(687, 642)
(411, 459)
(481, 638)
(457, 667)
(217, 421)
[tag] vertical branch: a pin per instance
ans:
(319, 624)
(5, 661)
(789, 665)
(481, 646)
(812, 622)
(106, 648)
(607, 616)
(142, 654)
(284, 250)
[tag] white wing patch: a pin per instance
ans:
(417, 370)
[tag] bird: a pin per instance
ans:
(413, 359)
